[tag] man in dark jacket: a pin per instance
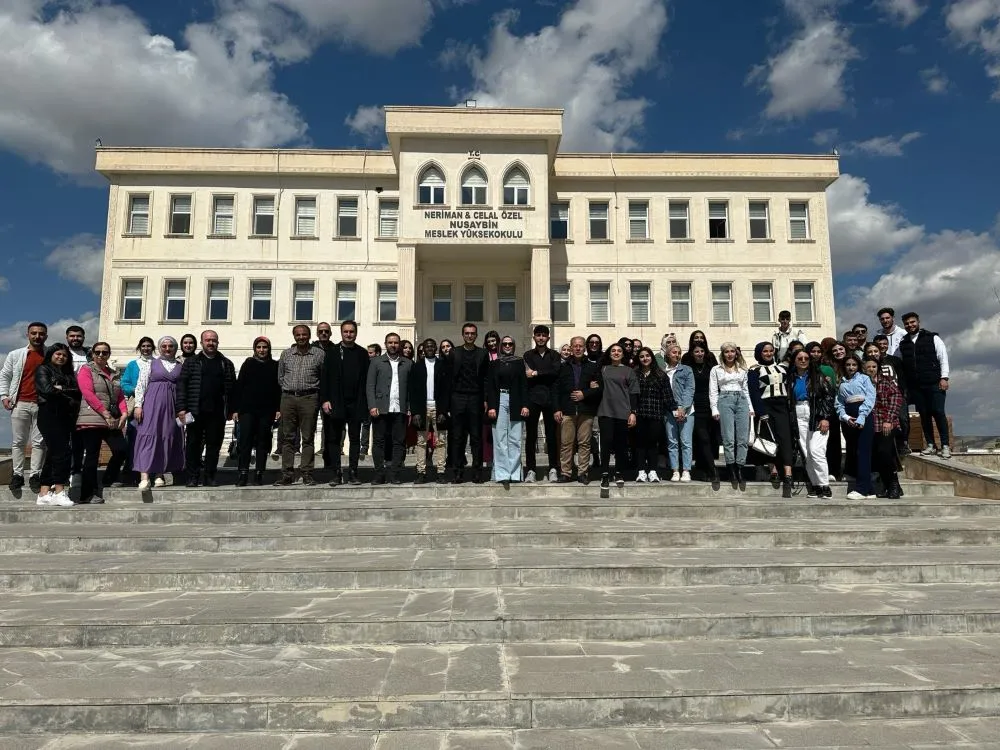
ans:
(468, 367)
(541, 365)
(387, 392)
(205, 391)
(323, 342)
(576, 394)
(430, 396)
(342, 394)
(925, 364)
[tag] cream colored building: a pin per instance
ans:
(472, 214)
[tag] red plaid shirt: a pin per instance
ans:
(888, 402)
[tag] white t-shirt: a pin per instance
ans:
(430, 362)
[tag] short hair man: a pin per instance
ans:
(19, 397)
(387, 390)
(860, 334)
(576, 394)
(344, 402)
(785, 335)
(887, 318)
(925, 364)
(468, 365)
(75, 336)
(300, 369)
(542, 366)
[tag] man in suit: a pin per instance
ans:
(430, 395)
(344, 401)
(388, 404)
(468, 403)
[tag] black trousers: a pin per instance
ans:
(614, 439)
(785, 428)
(206, 432)
(77, 455)
(834, 448)
(929, 403)
(707, 439)
(58, 429)
(389, 428)
(650, 437)
(254, 435)
(466, 425)
(92, 439)
(531, 440)
(333, 433)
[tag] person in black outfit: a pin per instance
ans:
(656, 400)
(58, 407)
(205, 391)
(707, 436)
(323, 333)
(257, 403)
(468, 367)
(342, 396)
(541, 365)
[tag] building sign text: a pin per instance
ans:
(476, 225)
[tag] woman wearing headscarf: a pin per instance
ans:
(159, 440)
(668, 340)
(507, 408)
(257, 400)
(595, 348)
(58, 406)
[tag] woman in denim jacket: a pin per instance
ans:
(680, 421)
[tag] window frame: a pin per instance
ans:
(474, 168)
(294, 318)
(732, 313)
(171, 230)
(450, 300)
(382, 207)
(167, 299)
(380, 299)
(421, 185)
(343, 200)
(215, 214)
(590, 302)
(338, 298)
(751, 219)
(606, 219)
(755, 300)
(257, 199)
(686, 202)
(466, 299)
(728, 233)
(124, 298)
(644, 219)
(806, 219)
(553, 219)
(209, 299)
(270, 300)
(517, 189)
(131, 213)
(509, 300)
(568, 301)
(799, 319)
(675, 286)
(633, 320)
(297, 232)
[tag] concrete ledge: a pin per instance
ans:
(969, 480)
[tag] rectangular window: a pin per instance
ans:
(559, 221)
(388, 219)
(387, 291)
(223, 223)
(303, 296)
(218, 300)
(506, 303)
(260, 300)
(639, 302)
(559, 305)
(475, 303)
(759, 224)
(599, 221)
(138, 214)
(347, 217)
(722, 303)
(131, 299)
(638, 220)
(718, 220)
(175, 300)
(798, 213)
(600, 302)
(680, 303)
(305, 217)
(180, 214)
(763, 302)
(804, 308)
(347, 300)
(263, 216)
(679, 220)
(442, 303)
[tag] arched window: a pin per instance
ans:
(474, 187)
(516, 188)
(431, 187)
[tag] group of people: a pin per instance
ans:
(165, 413)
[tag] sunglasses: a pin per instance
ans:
(507, 343)
(101, 354)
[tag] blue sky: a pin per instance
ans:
(907, 90)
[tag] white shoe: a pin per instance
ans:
(61, 499)
(685, 476)
(642, 477)
(44, 500)
(945, 452)
(143, 485)
(930, 450)
(553, 475)
(855, 495)
(75, 480)
(675, 477)
(530, 477)
(159, 482)
(654, 477)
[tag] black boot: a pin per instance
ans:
(741, 479)
(898, 486)
(243, 479)
(258, 477)
(714, 478)
(733, 476)
(210, 480)
(786, 488)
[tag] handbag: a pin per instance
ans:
(763, 440)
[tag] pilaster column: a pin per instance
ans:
(406, 291)
(541, 286)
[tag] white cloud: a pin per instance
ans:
(368, 122)
(80, 259)
(903, 12)
(15, 335)
(885, 145)
(864, 233)
(976, 24)
(935, 80)
(826, 137)
(585, 63)
(807, 76)
(4, 284)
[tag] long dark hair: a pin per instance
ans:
(688, 359)
(599, 351)
(654, 369)
(606, 357)
(814, 376)
(495, 335)
(66, 369)
(145, 340)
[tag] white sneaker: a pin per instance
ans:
(44, 500)
(685, 476)
(654, 477)
(530, 477)
(61, 499)
(159, 482)
(930, 450)
(675, 477)
(642, 477)
(855, 495)
(75, 480)
(143, 485)
(945, 452)
(553, 475)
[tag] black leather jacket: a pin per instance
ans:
(57, 388)
(821, 399)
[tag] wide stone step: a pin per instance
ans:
(496, 614)
(497, 534)
(473, 568)
(510, 686)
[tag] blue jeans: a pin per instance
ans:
(506, 444)
(734, 419)
(680, 450)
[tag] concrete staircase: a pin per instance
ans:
(543, 618)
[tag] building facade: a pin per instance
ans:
(470, 214)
